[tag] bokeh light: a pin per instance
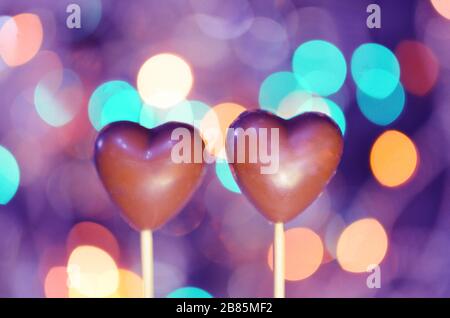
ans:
(58, 97)
(21, 38)
(300, 102)
(362, 244)
(275, 88)
(419, 65)
(304, 253)
(189, 292)
(152, 116)
(302, 24)
(62, 236)
(393, 158)
(148, 117)
(181, 112)
(189, 112)
(336, 114)
(442, 7)
(320, 66)
(375, 70)
(225, 176)
(130, 284)
(213, 127)
(55, 284)
(164, 80)
(114, 101)
(92, 272)
(382, 111)
(199, 111)
(264, 32)
(223, 19)
(9, 175)
(188, 40)
(93, 234)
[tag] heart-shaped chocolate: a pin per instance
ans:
(140, 174)
(309, 150)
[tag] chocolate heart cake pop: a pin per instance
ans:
(136, 167)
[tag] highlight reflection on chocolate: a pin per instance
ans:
(136, 168)
(309, 151)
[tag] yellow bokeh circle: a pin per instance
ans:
(91, 273)
(214, 126)
(304, 253)
(164, 80)
(361, 245)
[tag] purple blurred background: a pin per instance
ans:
(219, 242)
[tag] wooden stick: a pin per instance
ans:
(147, 262)
(278, 260)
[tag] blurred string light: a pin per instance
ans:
(320, 67)
(223, 19)
(300, 102)
(3, 19)
(3, 65)
(362, 244)
(55, 284)
(225, 176)
(20, 39)
(9, 175)
(189, 292)
(130, 285)
(375, 70)
(189, 40)
(190, 112)
(199, 110)
(30, 170)
(151, 116)
(304, 253)
(40, 67)
(58, 97)
(181, 112)
(73, 187)
(164, 80)
(382, 111)
(436, 37)
(148, 117)
(419, 65)
(93, 234)
(214, 125)
(275, 88)
(252, 47)
(393, 158)
(114, 101)
(302, 24)
(442, 7)
(92, 272)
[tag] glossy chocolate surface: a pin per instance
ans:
(137, 170)
(310, 149)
